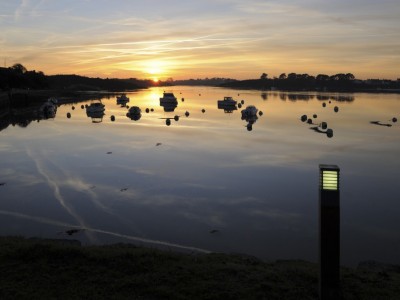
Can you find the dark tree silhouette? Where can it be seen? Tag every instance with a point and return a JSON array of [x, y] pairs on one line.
[[19, 68], [264, 76]]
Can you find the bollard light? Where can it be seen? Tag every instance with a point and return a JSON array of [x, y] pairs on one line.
[[329, 177], [329, 232]]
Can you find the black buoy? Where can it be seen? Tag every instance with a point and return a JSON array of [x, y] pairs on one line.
[[152, 109], [82, 106], [203, 110], [242, 101], [329, 133], [303, 118], [147, 110], [176, 118], [68, 115], [315, 116], [394, 120], [240, 105], [324, 104], [324, 125], [168, 122], [309, 121], [249, 127], [113, 118], [183, 99], [187, 114], [260, 113], [73, 107], [336, 109]]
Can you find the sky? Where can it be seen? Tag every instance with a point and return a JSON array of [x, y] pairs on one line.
[[160, 39]]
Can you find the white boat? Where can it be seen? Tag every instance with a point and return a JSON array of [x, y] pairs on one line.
[[168, 98], [49, 108], [95, 107], [228, 101], [250, 111]]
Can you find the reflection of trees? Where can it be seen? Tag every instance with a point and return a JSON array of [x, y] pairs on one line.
[[23, 116], [301, 97], [264, 96], [338, 97], [320, 97]]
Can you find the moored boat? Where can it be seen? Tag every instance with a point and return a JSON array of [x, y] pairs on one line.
[[228, 101], [168, 98], [122, 99], [95, 107], [250, 111]]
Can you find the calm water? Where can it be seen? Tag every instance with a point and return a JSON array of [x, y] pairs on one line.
[[205, 181]]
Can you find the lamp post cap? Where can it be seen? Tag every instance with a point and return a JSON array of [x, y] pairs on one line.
[[329, 167]]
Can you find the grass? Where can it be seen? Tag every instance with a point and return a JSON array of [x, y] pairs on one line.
[[48, 269]]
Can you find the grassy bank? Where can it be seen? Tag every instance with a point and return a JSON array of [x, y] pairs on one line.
[[41, 269]]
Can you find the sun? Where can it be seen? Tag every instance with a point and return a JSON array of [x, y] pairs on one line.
[[155, 67], [156, 80]]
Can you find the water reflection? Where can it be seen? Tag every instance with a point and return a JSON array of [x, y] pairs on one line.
[[23, 116], [204, 172], [96, 116]]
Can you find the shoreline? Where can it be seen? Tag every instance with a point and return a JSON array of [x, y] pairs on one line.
[[63, 269]]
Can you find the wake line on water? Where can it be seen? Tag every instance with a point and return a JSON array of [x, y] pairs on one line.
[[56, 191], [125, 236]]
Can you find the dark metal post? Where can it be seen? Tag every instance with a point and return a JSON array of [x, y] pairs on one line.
[[329, 232]]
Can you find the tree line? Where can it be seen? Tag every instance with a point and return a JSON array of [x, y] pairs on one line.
[[293, 81], [18, 77]]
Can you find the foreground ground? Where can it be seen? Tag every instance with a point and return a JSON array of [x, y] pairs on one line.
[[41, 269]]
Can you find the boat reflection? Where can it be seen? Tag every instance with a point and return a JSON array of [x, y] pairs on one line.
[[23, 116], [96, 116], [250, 116], [168, 107]]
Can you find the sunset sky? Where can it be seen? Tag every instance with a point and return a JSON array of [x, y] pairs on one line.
[[196, 39]]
